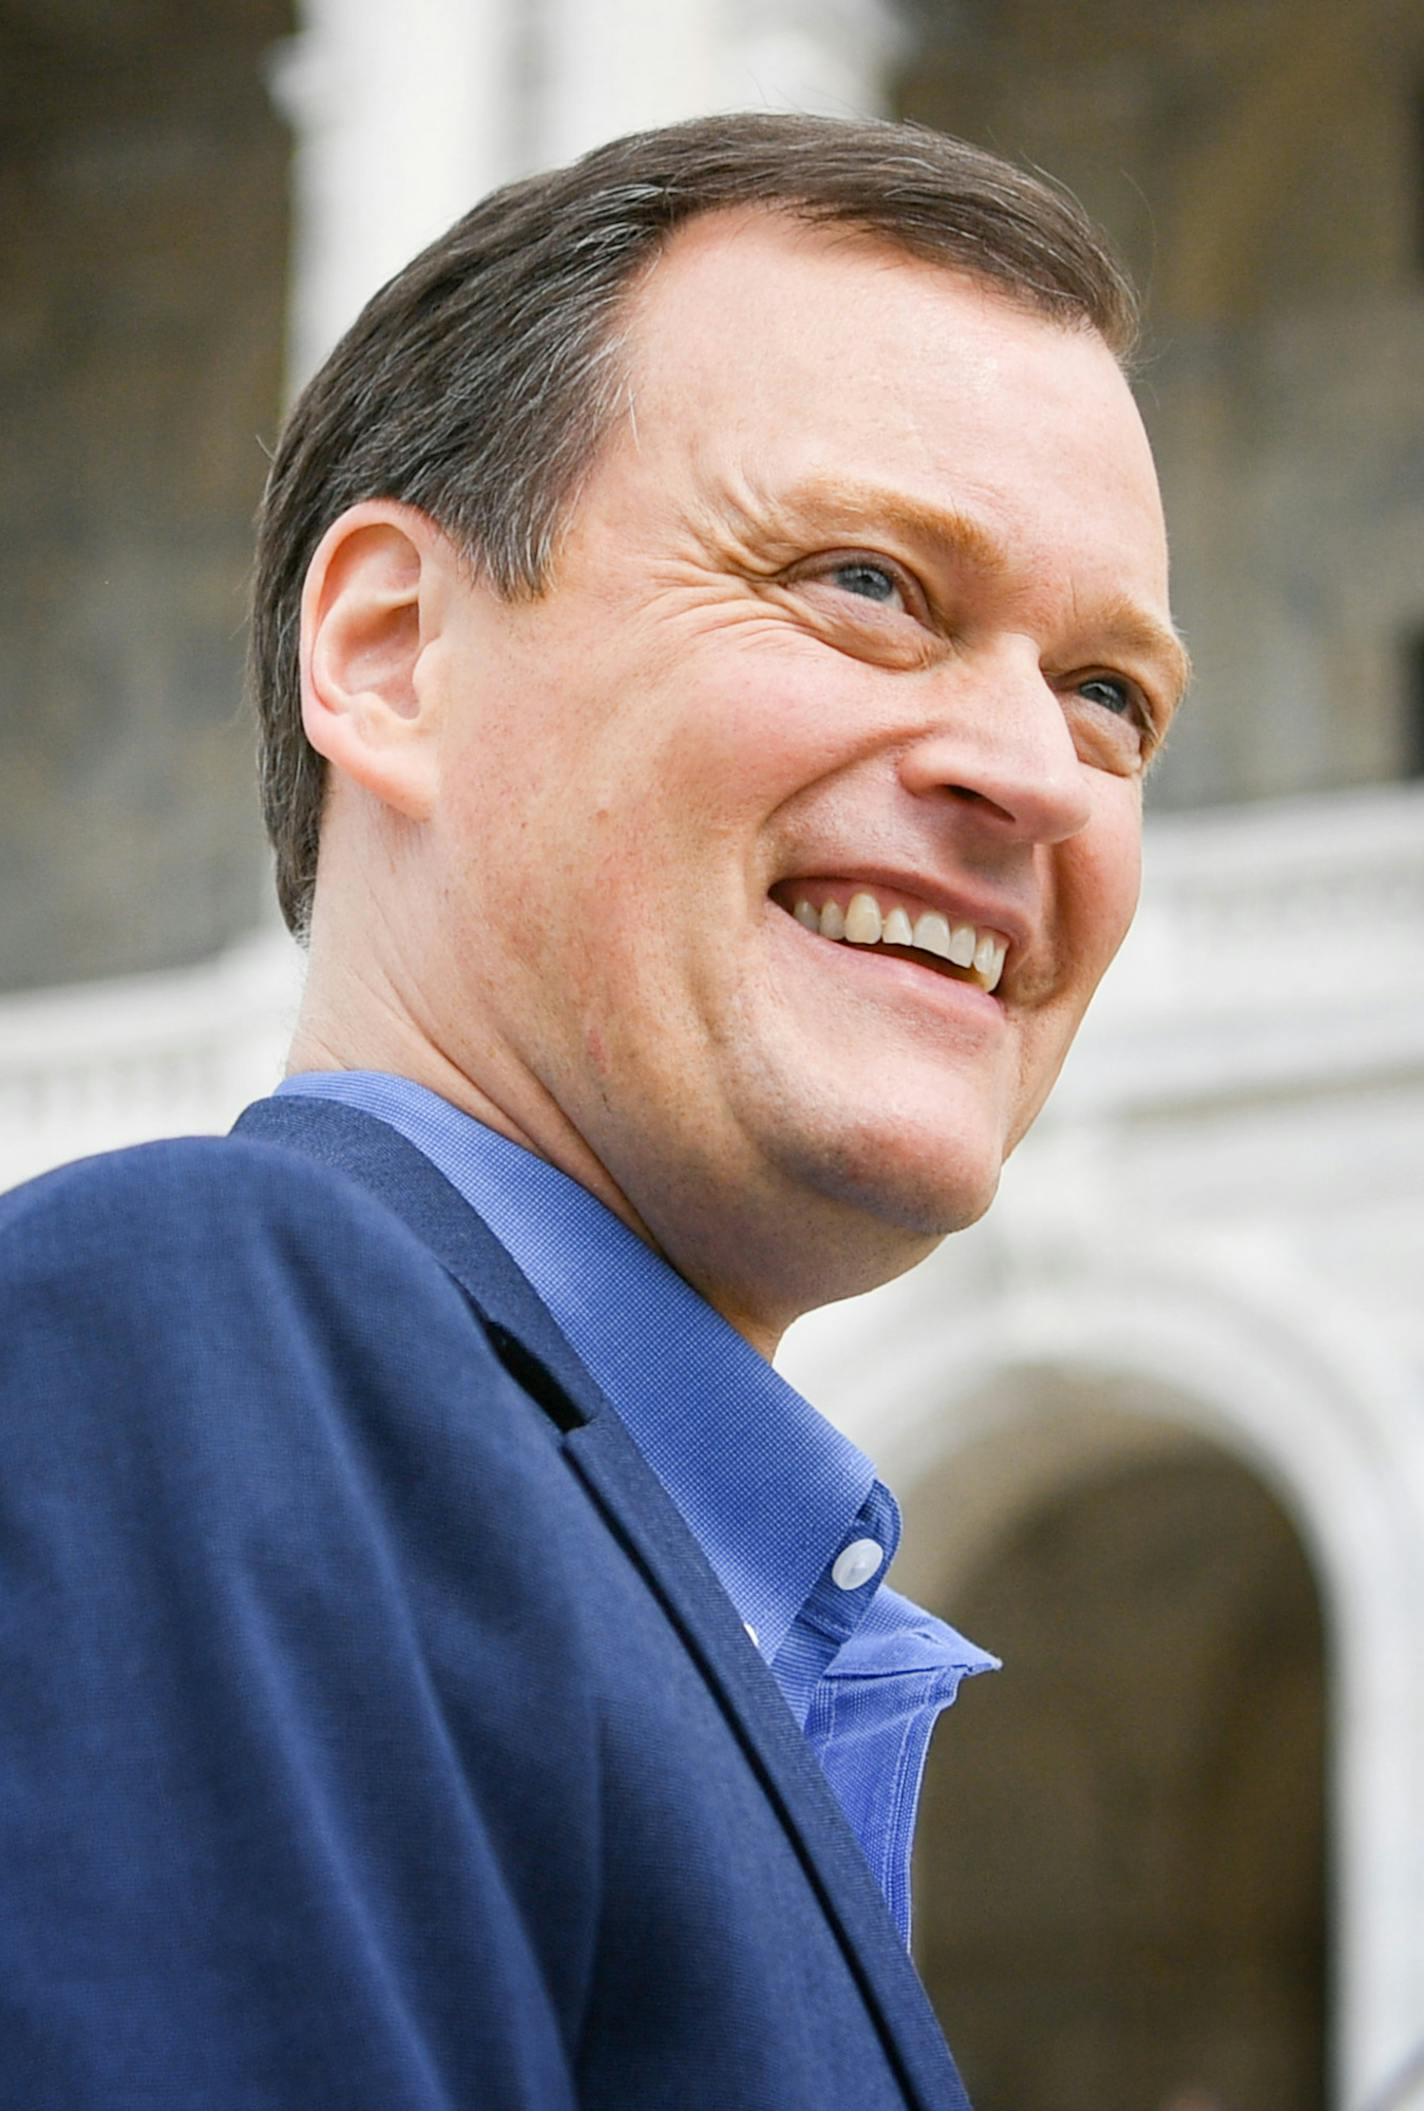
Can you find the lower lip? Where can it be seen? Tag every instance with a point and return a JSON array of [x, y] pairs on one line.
[[955, 999]]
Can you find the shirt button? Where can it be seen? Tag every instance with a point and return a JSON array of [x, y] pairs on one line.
[[856, 1564], [752, 1633]]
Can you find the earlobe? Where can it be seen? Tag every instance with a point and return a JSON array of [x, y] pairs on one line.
[[365, 613]]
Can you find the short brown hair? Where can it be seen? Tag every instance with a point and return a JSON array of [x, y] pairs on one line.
[[479, 383]]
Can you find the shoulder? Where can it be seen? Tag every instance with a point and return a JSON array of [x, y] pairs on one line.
[[217, 1354], [136, 1205], [281, 1543], [236, 1304], [189, 1226]]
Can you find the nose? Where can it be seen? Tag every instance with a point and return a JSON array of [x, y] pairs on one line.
[[1001, 746]]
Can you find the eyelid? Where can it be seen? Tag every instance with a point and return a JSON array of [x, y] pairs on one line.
[[1150, 717], [827, 561], [1151, 712]]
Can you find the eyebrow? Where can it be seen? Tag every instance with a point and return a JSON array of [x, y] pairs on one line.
[[859, 505], [1122, 621], [1137, 632]]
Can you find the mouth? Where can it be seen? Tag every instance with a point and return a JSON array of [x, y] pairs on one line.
[[850, 915]]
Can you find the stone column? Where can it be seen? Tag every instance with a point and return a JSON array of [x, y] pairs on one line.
[[830, 56], [402, 117], [610, 66]]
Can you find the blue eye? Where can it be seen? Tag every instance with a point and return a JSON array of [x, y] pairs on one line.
[[1118, 697], [870, 581]]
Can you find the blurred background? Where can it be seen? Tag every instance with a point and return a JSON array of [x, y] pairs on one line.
[[1157, 1425]]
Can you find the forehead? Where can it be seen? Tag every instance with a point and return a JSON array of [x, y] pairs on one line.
[[765, 349]]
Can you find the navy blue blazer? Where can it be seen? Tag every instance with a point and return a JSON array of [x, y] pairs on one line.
[[373, 1734]]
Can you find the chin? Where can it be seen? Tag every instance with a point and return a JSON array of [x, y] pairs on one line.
[[907, 1179]]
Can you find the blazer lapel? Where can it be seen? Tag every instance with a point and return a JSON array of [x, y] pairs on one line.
[[404, 1179], [636, 1503], [525, 1336]]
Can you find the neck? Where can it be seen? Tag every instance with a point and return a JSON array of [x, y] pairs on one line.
[[354, 1020], [356, 1015]]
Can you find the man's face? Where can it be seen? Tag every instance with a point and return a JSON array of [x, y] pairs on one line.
[[867, 598]]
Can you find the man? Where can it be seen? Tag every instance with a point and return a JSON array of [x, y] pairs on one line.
[[709, 634]]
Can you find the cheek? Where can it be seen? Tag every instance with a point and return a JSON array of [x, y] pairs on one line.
[[626, 914], [1105, 885], [765, 711]]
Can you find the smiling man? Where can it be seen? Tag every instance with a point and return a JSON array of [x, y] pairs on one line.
[[710, 632]]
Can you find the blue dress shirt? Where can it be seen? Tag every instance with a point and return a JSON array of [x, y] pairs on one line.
[[786, 1509]]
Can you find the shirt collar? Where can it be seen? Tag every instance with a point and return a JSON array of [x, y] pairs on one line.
[[767, 1486]]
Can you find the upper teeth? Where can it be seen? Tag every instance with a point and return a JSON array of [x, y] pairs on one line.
[[862, 922]]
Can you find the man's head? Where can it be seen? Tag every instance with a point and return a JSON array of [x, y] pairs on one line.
[[751, 518]]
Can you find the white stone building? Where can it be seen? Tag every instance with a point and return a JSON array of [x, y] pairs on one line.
[[1158, 1424]]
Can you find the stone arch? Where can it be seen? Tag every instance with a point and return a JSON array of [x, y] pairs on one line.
[[1120, 1884], [1249, 1354]]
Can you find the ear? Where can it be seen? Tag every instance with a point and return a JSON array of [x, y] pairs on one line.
[[368, 609]]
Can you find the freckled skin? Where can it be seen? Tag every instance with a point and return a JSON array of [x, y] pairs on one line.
[[706, 701]]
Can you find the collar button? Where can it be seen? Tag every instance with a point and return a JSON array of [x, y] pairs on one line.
[[856, 1564]]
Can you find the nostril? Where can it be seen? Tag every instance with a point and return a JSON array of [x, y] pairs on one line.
[[966, 795]]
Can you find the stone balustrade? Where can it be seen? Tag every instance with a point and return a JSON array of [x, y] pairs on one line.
[[97, 1065], [1278, 947], [1242, 904], [1275, 945]]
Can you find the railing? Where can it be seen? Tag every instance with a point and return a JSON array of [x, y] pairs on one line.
[[1241, 905], [101, 1064], [1276, 946]]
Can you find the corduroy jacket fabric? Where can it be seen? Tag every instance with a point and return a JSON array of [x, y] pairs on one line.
[[373, 1734]]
